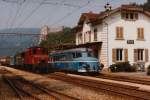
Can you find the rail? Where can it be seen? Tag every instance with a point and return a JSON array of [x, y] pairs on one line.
[[113, 88]]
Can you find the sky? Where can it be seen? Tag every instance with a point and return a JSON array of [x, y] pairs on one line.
[[37, 13]]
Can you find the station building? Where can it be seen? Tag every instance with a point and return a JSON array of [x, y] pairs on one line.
[[118, 35]]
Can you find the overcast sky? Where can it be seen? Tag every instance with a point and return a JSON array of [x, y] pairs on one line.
[[37, 13]]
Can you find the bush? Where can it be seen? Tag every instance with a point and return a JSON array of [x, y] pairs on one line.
[[123, 67], [113, 68], [133, 68], [148, 70]]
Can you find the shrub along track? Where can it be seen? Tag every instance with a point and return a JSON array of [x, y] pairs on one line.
[[102, 86], [144, 81], [27, 90]]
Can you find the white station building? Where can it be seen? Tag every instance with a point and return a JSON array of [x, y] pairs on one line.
[[118, 35]]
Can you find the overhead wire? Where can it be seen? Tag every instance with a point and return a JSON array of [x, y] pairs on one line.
[[30, 14], [15, 17], [24, 5], [45, 17], [9, 23], [70, 13], [59, 20], [34, 10]]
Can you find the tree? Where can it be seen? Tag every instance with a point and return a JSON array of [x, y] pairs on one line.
[[146, 6], [57, 39]]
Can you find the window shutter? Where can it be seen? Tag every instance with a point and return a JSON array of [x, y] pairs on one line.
[[135, 55], [89, 36], [126, 54], [84, 37], [81, 38], [146, 55], [114, 55], [136, 16], [121, 32], [142, 33], [138, 33], [117, 32]]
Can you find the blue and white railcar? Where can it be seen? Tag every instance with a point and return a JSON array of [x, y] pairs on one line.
[[75, 60]]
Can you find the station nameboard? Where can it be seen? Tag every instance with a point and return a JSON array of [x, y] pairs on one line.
[[130, 41]]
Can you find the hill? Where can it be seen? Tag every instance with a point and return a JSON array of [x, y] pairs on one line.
[[21, 30], [9, 45]]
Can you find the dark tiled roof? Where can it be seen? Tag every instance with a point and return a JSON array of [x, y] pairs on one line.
[[90, 16], [96, 18], [131, 8]]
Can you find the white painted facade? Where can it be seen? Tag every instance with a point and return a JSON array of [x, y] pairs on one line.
[[106, 33]]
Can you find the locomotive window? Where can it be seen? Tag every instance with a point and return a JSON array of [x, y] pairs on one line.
[[90, 54], [76, 55], [44, 51], [34, 51]]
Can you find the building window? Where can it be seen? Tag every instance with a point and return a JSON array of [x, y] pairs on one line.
[[84, 37], [89, 33], [119, 54], [140, 34], [129, 15], [95, 34], [140, 54], [119, 33], [80, 38]]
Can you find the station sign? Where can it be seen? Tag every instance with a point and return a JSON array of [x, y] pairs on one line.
[[130, 41]]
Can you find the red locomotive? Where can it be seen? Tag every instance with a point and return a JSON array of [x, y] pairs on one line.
[[33, 59]]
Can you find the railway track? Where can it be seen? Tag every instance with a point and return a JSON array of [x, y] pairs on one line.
[[20, 93], [125, 79], [28, 90], [102, 86]]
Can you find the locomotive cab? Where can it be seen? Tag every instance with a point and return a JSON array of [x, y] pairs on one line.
[[88, 63]]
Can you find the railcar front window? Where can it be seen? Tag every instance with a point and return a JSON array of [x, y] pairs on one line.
[[76, 55], [90, 54], [44, 51], [34, 51]]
